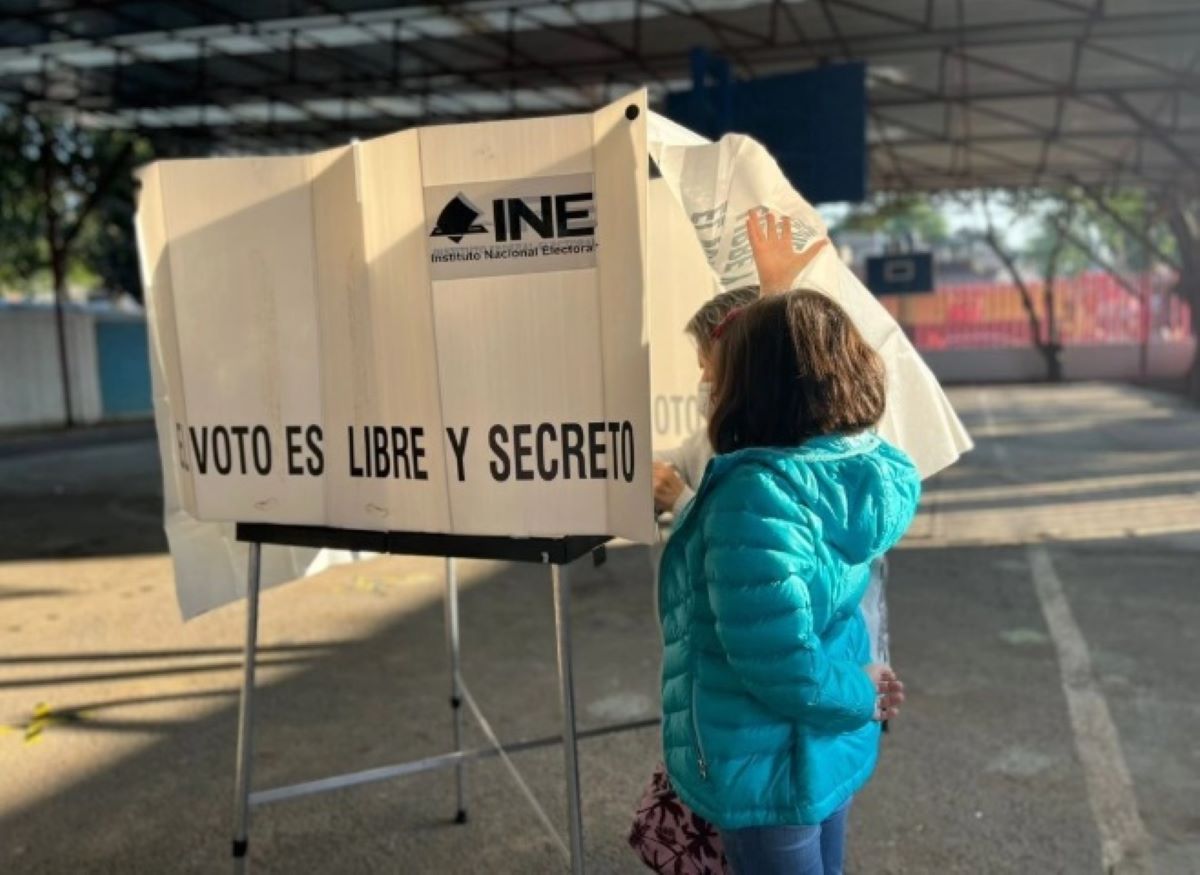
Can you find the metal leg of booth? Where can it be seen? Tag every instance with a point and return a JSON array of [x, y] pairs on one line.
[[245, 737], [456, 698], [245, 800], [562, 625]]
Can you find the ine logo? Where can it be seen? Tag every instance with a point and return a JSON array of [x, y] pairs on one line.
[[509, 227], [457, 219], [541, 217]]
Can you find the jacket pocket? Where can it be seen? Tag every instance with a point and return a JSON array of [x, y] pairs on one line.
[[701, 759]]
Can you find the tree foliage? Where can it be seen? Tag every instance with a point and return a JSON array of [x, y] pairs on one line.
[[22, 236], [67, 197], [1124, 231], [912, 217]]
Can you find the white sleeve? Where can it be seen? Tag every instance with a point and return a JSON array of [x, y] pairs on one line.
[[685, 497], [695, 452], [674, 457]]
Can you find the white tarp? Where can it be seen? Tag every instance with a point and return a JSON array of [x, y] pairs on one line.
[[694, 246], [718, 185]]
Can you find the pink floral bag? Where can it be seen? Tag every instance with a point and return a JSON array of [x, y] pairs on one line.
[[672, 839]]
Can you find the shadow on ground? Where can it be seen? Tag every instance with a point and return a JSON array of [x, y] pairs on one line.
[[985, 736], [167, 807], [73, 496]]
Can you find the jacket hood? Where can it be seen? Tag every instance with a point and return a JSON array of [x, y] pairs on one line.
[[863, 490]]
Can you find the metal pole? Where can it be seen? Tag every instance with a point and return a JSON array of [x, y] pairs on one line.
[[245, 743], [562, 622], [456, 699]]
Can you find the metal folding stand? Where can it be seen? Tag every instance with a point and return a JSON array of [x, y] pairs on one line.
[[558, 553]]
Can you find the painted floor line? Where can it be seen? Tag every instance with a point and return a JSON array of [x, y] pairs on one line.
[[998, 447], [1124, 842]]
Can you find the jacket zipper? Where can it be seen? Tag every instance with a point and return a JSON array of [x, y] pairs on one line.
[[701, 762]]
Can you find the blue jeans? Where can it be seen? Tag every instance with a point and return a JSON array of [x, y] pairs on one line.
[[789, 850]]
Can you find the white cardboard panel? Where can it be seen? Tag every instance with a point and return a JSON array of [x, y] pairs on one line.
[[405, 349], [347, 356], [241, 247], [170, 406], [486, 151], [513, 351], [622, 171], [680, 283]]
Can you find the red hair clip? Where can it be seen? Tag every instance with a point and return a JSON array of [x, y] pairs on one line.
[[729, 319]]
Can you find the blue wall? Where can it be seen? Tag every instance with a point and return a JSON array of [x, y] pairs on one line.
[[814, 123], [122, 353]]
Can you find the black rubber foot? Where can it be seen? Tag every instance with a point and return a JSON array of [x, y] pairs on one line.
[[632, 112], [461, 817], [240, 846]]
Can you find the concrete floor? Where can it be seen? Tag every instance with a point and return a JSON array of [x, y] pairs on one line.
[[116, 753]]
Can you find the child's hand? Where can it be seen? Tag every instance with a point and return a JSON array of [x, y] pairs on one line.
[[889, 691], [777, 262]]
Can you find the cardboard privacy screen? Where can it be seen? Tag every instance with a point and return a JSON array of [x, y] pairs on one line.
[[441, 330], [468, 329]]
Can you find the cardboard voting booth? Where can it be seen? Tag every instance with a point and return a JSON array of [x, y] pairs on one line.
[[465, 329], [441, 330], [464, 340]]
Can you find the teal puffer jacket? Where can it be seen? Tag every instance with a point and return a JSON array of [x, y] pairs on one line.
[[767, 712]]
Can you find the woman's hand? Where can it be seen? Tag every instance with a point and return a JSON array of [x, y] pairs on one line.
[[771, 244], [889, 691], [668, 486]]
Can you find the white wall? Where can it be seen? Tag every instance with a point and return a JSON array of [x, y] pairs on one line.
[[1165, 359], [30, 380]]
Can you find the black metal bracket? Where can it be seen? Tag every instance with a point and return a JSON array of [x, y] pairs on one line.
[[547, 551]]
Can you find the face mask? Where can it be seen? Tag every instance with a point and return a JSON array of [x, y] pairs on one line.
[[704, 398]]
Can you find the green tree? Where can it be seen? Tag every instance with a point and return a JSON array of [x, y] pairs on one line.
[[106, 246], [22, 241], [908, 217], [67, 197], [1124, 231]]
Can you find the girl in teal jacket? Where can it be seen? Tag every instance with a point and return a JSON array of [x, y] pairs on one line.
[[770, 709]]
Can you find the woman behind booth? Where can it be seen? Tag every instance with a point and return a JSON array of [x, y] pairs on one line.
[[770, 709], [677, 472]]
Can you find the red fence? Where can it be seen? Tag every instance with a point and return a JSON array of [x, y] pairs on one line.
[[1091, 308]]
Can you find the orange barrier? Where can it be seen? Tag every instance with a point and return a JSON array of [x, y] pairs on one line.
[[1090, 308]]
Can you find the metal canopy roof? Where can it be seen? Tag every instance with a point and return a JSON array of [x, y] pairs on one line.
[[963, 93]]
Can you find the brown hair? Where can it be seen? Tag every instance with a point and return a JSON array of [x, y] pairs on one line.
[[705, 320], [789, 368]]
